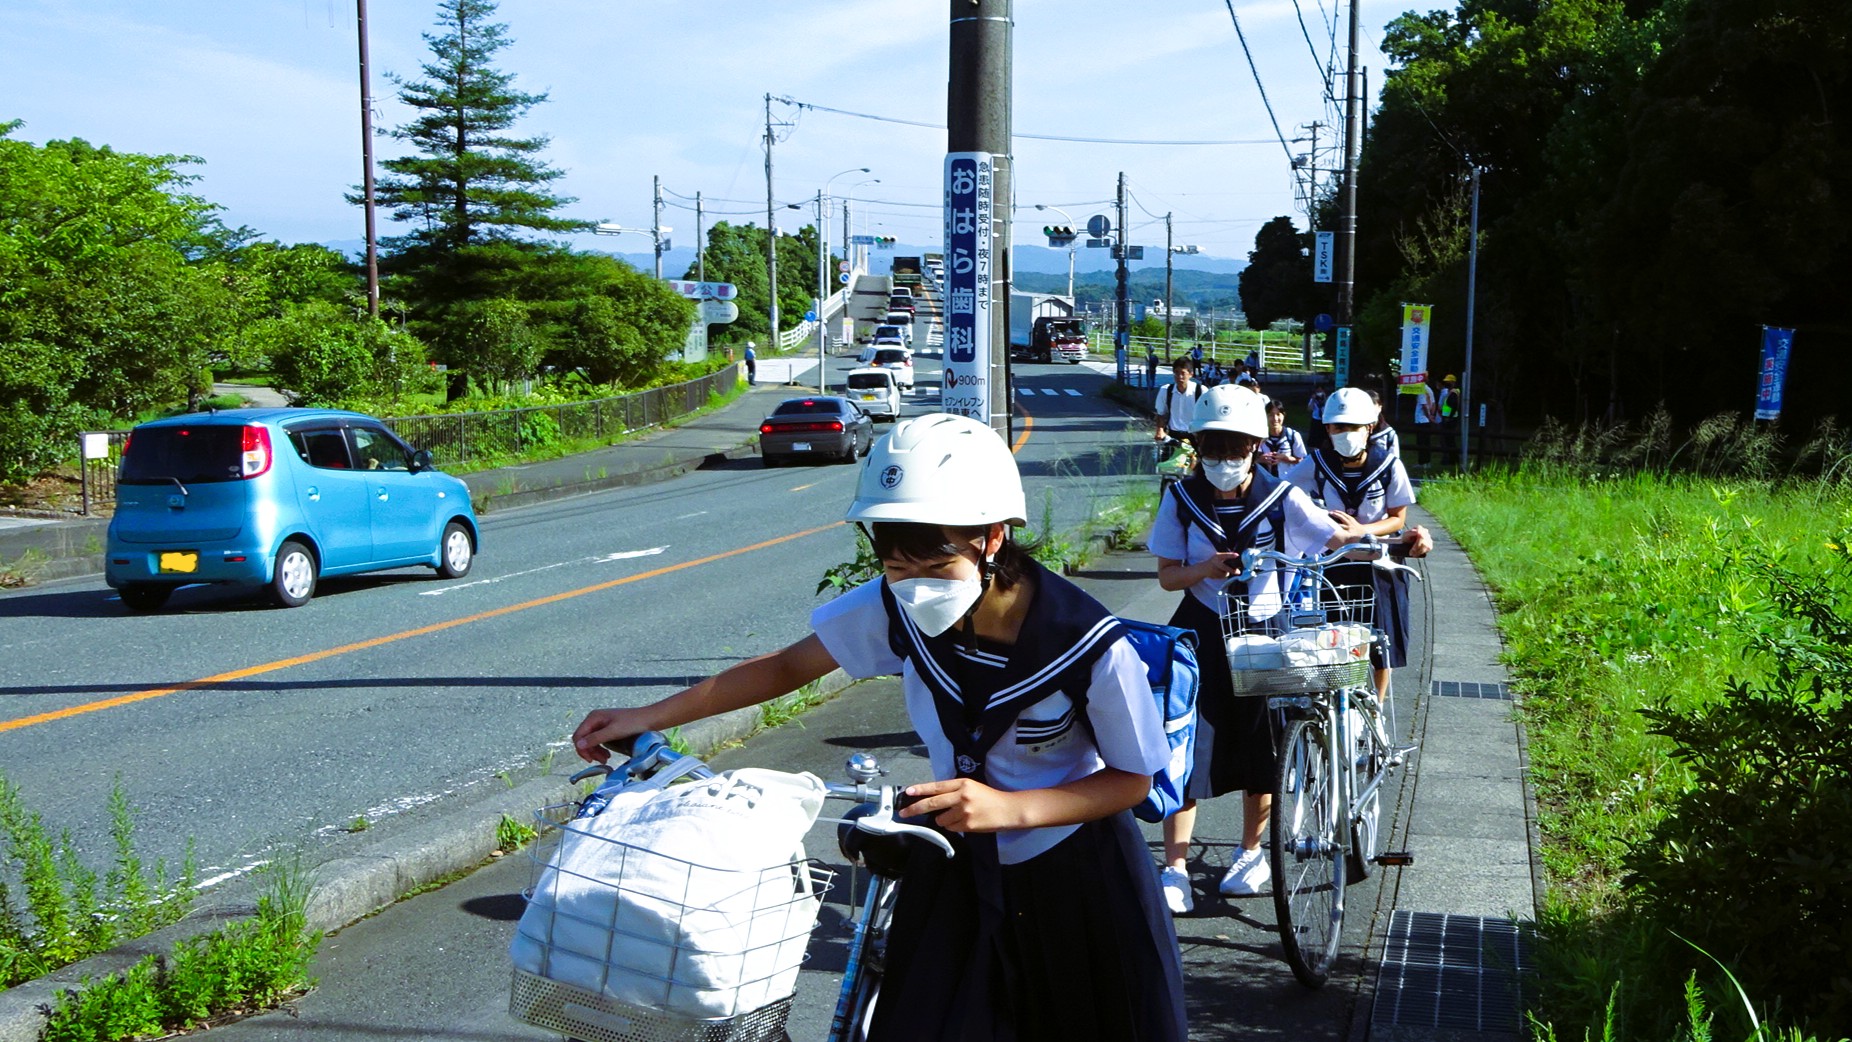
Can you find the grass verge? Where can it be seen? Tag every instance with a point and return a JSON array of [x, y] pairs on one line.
[[1637, 607]]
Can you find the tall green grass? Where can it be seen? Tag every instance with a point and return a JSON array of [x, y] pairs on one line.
[[1629, 596]]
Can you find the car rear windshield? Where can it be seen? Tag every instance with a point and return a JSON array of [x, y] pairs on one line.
[[887, 330], [798, 408], [889, 356], [192, 454], [882, 380]]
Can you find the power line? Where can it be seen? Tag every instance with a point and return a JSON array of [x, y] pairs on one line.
[[1324, 73], [1284, 147], [1037, 137]]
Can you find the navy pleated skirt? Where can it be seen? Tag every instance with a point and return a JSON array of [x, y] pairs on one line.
[[1083, 950]]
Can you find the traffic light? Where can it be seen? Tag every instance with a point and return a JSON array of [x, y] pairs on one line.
[[1059, 234], [884, 242]]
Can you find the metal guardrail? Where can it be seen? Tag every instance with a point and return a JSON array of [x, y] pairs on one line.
[[460, 438], [1285, 357]]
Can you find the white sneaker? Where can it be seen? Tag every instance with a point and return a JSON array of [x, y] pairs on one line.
[[1177, 890], [1247, 875]]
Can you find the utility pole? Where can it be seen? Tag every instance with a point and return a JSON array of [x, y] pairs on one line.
[[366, 158], [823, 264], [978, 102], [1167, 287], [1347, 212], [1122, 338], [1464, 409], [655, 230], [771, 233], [700, 241]]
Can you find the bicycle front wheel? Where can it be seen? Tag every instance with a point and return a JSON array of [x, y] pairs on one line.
[[1308, 858]]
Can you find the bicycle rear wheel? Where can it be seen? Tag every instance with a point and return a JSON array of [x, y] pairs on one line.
[[1308, 873]]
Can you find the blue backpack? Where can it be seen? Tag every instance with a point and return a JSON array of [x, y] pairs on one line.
[[1169, 654]]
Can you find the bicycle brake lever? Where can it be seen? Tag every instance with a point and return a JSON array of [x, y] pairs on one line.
[[597, 770], [883, 823]]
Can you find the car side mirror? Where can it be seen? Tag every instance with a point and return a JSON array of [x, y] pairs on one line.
[[421, 460]]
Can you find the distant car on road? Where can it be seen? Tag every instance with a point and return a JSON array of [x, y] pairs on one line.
[[877, 391], [900, 360], [900, 333], [278, 498], [821, 427]]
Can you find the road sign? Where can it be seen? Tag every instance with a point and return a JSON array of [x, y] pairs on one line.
[[1324, 324], [1098, 244], [843, 278], [1324, 256], [1134, 253], [842, 266], [862, 240], [717, 312], [1098, 226], [810, 316], [704, 290]]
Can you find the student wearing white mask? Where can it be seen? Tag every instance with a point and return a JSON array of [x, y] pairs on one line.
[[1360, 479], [1203, 524], [1042, 731]]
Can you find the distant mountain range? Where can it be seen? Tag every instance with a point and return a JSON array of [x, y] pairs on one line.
[[1196, 280]]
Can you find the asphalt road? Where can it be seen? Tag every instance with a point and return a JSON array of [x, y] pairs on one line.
[[250, 731]]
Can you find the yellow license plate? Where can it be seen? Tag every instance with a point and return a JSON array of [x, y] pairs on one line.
[[180, 561]]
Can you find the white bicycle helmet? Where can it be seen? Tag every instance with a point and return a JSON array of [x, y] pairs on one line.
[[1350, 405], [1232, 407], [940, 469]]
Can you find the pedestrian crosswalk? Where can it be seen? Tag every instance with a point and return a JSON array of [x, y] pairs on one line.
[[1030, 392]]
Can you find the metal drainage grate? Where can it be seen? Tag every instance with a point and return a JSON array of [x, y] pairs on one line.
[[1454, 971], [1471, 689]]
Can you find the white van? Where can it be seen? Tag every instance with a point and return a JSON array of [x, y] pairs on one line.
[[877, 391]]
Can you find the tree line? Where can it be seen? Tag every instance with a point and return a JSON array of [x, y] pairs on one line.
[[1659, 179], [122, 292]]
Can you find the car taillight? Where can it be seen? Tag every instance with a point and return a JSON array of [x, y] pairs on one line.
[[256, 449], [834, 425], [765, 428]]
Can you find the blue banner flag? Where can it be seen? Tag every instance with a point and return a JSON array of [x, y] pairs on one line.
[[1773, 372]]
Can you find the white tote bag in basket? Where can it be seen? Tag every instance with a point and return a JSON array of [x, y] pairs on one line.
[[694, 899]]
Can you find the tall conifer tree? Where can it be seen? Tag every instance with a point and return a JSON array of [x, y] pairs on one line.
[[470, 183]]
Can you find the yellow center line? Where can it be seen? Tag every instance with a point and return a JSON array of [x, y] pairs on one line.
[[317, 656]]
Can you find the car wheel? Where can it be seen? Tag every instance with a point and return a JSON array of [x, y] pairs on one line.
[[144, 596], [294, 581], [455, 552]]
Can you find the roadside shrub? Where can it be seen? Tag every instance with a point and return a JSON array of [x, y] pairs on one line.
[[1754, 859], [55, 909]]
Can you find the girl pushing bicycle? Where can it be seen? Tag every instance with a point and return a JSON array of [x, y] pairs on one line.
[[1042, 732]]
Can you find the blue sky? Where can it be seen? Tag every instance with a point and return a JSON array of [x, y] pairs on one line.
[[266, 93]]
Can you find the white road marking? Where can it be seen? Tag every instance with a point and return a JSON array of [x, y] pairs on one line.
[[1073, 392], [622, 555], [685, 517]]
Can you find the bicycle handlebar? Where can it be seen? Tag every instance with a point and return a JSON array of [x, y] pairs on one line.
[[1370, 548], [649, 751]]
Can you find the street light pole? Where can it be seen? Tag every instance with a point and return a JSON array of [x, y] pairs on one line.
[[823, 263], [656, 225], [366, 158]]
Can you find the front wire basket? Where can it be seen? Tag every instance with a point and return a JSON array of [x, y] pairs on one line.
[[652, 948], [1319, 642]]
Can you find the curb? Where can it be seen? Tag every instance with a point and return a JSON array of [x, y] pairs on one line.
[[350, 888], [487, 499]]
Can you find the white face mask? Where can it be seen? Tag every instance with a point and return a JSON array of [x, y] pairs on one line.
[[935, 604], [1228, 474], [1350, 443]]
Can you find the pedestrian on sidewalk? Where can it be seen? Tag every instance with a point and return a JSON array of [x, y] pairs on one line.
[[1203, 524], [1381, 434], [1283, 446], [1042, 731], [1427, 423], [752, 365], [1176, 404]]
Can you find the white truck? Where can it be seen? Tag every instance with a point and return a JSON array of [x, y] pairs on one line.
[[1043, 328]]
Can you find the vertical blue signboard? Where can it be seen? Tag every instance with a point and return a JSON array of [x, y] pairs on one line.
[[1340, 361], [1773, 372], [968, 207]]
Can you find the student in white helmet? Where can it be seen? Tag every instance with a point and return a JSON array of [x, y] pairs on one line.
[[1359, 477], [1203, 524], [1042, 732]]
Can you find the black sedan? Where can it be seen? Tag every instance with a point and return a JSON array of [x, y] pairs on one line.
[[823, 426]]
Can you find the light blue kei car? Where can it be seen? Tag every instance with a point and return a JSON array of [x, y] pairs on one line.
[[278, 498]]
